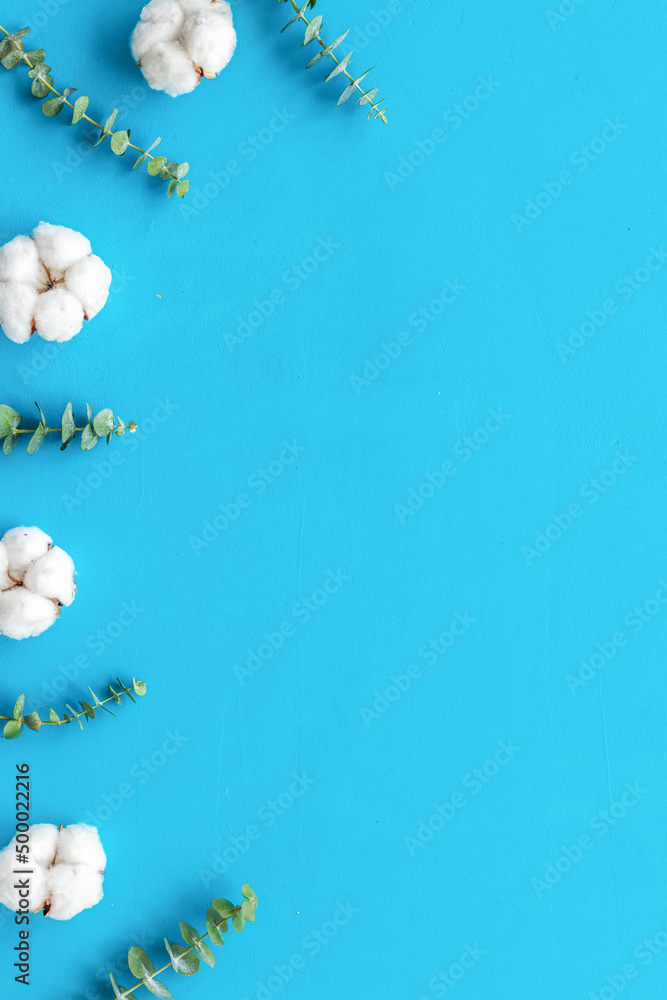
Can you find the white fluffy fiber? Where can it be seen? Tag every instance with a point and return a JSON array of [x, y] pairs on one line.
[[36, 579], [67, 868], [176, 42], [50, 283]]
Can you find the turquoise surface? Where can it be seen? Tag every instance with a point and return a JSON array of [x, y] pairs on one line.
[[388, 546]]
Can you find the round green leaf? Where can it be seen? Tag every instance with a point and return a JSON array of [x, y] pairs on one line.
[[238, 921], [157, 989], [9, 420], [53, 107], [155, 165], [182, 959], [33, 721], [190, 935], [119, 142], [182, 188], [213, 931], [37, 440], [19, 706], [80, 107], [88, 438], [10, 443], [139, 963], [12, 729], [103, 422], [224, 908]]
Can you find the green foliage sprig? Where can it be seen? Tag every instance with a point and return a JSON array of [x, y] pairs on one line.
[[187, 960], [313, 32], [102, 425], [12, 54], [15, 722]]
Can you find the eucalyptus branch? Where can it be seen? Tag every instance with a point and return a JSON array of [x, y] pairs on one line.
[[313, 32], [15, 722], [102, 425], [12, 54], [187, 960]]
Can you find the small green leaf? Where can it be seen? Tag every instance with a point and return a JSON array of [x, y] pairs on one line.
[[36, 56], [88, 709], [115, 697], [14, 36], [328, 50], [53, 716], [68, 425], [119, 142], [37, 440], [312, 30], [369, 96], [13, 58], [205, 953], [182, 170], [342, 65], [139, 687], [80, 107], [124, 995], [182, 959], [238, 921], [224, 908], [103, 423], [53, 107], [12, 729], [33, 721], [19, 706], [171, 188], [139, 161], [248, 909], [157, 989], [182, 188], [88, 438], [347, 93], [155, 165], [190, 935], [41, 416], [249, 893], [9, 420], [10, 443], [139, 963], [212, 927], [68, 91]]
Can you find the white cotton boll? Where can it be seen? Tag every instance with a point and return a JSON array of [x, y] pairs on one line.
[[24, 614], [61, 887], [209, 38], [73, 888], [58, 246], [89, 280], [167, 67], [52, 576], [81, 844], [17, 308], [23, 546], [168, 11], [5, 579], [58, 315], [43, 844], [19, 261]]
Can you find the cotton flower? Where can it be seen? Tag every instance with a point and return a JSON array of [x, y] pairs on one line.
[[36, 580], [176, 42], [50, 283], [67, 870]]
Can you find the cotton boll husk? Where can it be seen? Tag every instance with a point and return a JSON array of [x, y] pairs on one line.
[[24, 614], [80, 844], [167, 67], [58, 315], [19, 261], [23, 546], [52, 576], [59, 246], [17, 308], [149, 33], [89, 280], [71, 889], [209, 38]]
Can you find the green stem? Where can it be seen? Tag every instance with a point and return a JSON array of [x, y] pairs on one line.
[[130, 993], [56, 430], [69, 105], [337, 61], [62, 722]]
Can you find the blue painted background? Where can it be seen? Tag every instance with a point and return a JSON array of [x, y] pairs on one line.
[[435, 460]]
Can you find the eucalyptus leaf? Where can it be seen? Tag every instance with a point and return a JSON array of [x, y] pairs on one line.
[[33, 721], [312, 30], [9, 420], [12, 729], [103, 423], [238, 921], [139, 963], [88, 438], [37, 440], [10, 443], [119, 142], [157, 989], [182, 959], [182, 188], [53, 107], [19, 706], [68, 425], [80, 107], [224, 908]]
